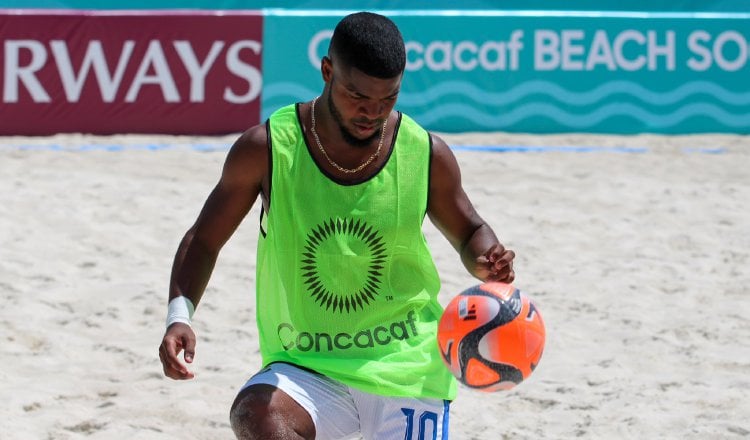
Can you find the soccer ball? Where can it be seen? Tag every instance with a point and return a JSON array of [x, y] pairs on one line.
[[491, 336]]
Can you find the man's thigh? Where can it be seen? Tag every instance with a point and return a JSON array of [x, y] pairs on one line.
[[327, 401]]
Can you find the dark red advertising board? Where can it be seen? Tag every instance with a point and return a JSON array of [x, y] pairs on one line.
[[123, 71]]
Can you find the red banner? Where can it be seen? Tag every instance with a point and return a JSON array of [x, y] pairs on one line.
[[130, 72]]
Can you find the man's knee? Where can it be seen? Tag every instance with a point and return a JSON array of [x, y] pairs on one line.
[[267, 413]]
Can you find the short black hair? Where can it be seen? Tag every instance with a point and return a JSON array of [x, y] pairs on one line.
[[370, 42]]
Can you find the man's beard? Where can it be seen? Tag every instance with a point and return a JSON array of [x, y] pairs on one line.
[[348, 137]]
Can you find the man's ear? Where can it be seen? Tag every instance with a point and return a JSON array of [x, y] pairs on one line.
[[326, 69]]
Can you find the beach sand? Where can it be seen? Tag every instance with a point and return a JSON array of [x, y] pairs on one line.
[[636, 251]]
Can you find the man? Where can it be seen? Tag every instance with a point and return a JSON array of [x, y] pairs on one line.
[[346, 287]]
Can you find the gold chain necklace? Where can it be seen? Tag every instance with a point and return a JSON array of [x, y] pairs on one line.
[[334, 164]]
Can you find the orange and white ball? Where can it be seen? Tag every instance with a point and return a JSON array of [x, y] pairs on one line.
[[491, 336]]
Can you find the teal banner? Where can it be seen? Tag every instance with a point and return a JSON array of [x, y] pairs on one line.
[[541, 72]]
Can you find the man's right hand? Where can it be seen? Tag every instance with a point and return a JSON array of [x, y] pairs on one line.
[[178, 337]]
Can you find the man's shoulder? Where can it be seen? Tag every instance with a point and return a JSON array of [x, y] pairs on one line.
[[250, 146], [254, 137]]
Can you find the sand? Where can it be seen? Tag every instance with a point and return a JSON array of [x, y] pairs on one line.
[[636, 250]]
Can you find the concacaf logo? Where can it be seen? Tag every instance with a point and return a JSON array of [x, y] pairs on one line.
[[342, 264]]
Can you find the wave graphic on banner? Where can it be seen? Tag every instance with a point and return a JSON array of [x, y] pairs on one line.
[[582, 120], [589, 97], [533, 99], [524, 89], [291, 91]]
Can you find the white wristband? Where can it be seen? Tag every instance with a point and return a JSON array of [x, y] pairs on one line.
[[180, 309]]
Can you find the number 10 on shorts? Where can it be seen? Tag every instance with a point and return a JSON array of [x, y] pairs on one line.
[[428, 421]]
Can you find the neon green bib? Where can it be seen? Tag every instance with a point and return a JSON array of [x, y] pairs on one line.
[[346, 285]]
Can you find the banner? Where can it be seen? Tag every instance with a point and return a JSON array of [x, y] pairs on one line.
[[199, 72], [542, 72], [130, 72]]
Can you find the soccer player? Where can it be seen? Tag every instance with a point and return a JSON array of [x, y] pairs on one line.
[[346, 287]]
